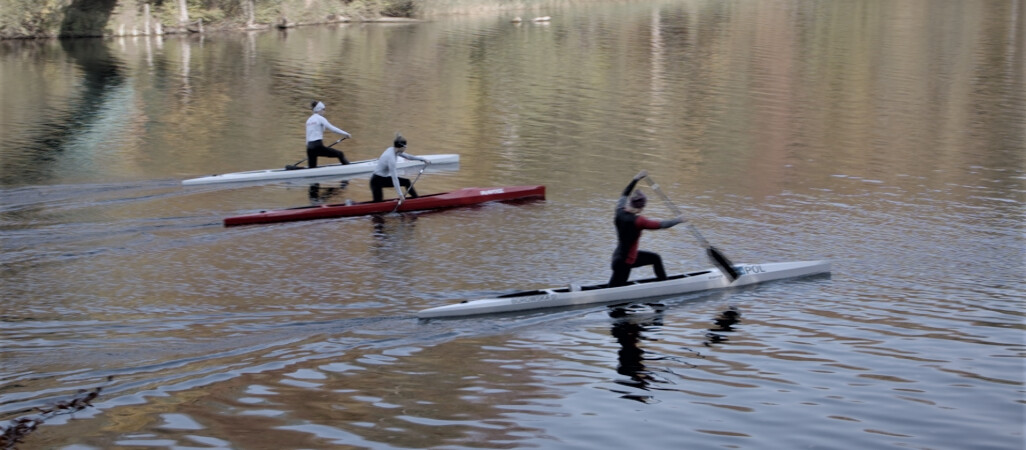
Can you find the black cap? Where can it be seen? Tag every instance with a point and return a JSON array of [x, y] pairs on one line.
[[638, 200]]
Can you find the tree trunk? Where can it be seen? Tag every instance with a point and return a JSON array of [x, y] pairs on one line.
[[183, 12], [250, 12]]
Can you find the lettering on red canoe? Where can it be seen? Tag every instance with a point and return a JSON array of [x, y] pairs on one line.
[[492, 191]]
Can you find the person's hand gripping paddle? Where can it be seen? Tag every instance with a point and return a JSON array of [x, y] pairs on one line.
[[296, 165], [718, 258]]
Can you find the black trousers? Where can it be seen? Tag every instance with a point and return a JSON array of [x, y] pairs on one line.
[[378, 182], [622, 270], [317, 148]]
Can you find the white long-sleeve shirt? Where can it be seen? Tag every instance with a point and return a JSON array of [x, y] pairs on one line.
[[386, 166], [315, 126]]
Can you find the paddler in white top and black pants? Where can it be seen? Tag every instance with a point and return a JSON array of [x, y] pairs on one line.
[[315, 126], [386, 175]]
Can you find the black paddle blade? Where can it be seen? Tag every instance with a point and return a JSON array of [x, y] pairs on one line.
[[723, 263]]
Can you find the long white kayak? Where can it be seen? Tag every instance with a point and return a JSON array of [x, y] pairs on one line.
[[352, 168], [707, 279]]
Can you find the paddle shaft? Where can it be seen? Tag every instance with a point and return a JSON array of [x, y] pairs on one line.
[[410, 188], [673, 207], [718, 257]]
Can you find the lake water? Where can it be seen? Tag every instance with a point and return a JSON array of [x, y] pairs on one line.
[[885, 137]]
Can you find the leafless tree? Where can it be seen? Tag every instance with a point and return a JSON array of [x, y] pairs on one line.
[[183, 12]]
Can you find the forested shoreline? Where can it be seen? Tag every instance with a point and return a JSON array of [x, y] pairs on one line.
[[27, 19]]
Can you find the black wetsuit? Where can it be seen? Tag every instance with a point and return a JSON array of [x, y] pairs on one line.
[[628, 233]]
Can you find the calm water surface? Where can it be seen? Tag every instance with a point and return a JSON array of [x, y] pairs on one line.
[[886, 137]]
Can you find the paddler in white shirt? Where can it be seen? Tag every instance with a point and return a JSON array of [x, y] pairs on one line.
[[315, 126], [386, 175]]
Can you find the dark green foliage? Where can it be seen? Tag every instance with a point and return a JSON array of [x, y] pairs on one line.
[[84, 18], [399, 8]]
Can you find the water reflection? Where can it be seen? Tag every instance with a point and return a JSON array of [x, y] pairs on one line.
[[724, 324], [322, 194], [100, 71], [633, 321], [185, 91], [635, 324], [62, 129], [393, 227]]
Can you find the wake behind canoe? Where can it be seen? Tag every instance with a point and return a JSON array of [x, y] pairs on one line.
[[708, 279], [353, 168], [453, 199]]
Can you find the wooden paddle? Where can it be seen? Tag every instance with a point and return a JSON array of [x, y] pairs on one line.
[[296, 165], [717, 256]]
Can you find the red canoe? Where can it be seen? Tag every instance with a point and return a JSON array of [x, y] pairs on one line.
[[461, 197]]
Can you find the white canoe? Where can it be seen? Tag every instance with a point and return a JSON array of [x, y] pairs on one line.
[[352, 168], [675, 285]]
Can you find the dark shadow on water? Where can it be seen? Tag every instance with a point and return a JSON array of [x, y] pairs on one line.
[[61, 124]]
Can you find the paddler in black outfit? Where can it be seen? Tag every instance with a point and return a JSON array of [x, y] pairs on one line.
[[629, 224]]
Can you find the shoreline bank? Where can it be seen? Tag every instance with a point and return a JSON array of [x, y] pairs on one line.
[[62, 19]]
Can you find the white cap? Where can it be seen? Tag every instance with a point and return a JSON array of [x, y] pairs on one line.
[[318, 107]]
